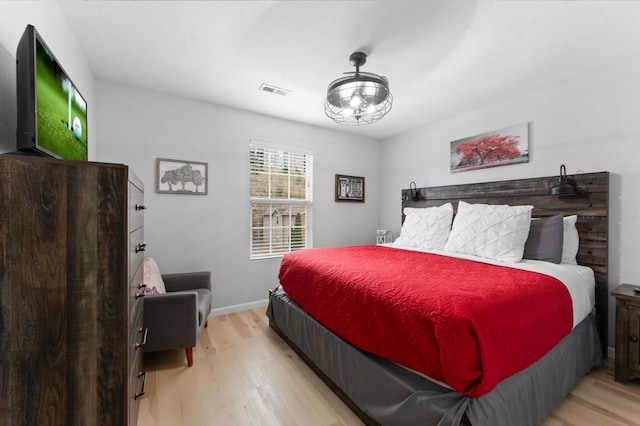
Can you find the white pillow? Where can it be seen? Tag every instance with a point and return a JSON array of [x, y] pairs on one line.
[[152, 277], [570, 241], [492, 231], [426, 228]]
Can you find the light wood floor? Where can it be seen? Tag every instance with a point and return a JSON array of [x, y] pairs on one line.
[[244, 374]]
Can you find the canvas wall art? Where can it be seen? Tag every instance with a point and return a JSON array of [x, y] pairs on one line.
[[498, 148]]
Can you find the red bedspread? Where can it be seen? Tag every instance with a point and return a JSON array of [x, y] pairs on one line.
[[468, 324]]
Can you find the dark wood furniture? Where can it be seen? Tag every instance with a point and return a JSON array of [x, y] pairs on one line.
[[69, 318], [590, 204], [627, 333], [136, 287]]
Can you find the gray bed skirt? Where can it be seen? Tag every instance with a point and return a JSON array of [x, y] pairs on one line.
[[381, 392]]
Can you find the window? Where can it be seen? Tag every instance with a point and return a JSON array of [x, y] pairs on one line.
[[280, 189]]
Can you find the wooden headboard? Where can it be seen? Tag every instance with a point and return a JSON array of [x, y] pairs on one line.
[[590, 204]]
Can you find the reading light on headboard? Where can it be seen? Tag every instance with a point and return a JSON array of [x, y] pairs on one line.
[[413, 190], [564, 185]]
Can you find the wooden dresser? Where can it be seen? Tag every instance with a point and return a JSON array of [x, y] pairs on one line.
[[135, 278], [70, 318], [627, 333]]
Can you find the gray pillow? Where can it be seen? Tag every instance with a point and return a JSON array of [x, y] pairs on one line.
[[545, 240]]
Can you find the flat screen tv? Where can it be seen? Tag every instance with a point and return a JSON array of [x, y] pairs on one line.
[[52, 114]]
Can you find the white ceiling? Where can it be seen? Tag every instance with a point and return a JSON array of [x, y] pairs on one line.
[[442, 57]]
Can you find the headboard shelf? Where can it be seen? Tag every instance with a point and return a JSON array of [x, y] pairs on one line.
[[590, 204]]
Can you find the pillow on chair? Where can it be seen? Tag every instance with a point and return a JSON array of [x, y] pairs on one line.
[[152, 278]]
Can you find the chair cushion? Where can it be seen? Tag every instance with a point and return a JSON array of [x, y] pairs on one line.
[[153, 278], [204, 304]]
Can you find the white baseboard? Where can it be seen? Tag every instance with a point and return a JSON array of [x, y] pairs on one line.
[[238, 308], [611, 352]]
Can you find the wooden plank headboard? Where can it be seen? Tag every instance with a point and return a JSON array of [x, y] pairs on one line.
[[590, 204]]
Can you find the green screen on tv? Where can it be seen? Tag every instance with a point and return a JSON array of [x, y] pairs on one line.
[[61, 109]]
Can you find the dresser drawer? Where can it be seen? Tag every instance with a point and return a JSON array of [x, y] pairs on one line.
[[136, 251], [136, 291], [137, 336], [137, 384], [136, 207], [634, 340]]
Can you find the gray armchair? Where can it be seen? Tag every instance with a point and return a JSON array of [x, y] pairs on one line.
[[175, 319]]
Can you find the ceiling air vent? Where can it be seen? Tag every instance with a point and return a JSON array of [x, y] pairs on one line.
[[273, 89]]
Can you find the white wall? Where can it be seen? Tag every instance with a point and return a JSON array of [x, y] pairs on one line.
[[590, 124], [191, 232], [52, 26]]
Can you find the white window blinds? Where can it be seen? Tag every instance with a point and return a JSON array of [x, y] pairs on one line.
[[280, 190]]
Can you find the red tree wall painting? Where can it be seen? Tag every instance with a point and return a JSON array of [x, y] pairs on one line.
[[505, 146]]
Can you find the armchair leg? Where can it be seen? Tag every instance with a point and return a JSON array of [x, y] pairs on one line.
[[189, 352], [206, 323]]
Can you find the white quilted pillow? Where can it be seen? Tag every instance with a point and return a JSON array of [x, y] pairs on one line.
[[492, 231], [571, 240], [426, 228]]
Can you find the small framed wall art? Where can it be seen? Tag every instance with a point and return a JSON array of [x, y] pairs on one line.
[[349, 188], [181, 177]]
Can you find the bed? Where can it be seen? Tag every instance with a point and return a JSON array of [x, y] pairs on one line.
[[435, 384]]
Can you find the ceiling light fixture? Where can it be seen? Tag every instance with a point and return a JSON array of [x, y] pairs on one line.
[[360, 98]]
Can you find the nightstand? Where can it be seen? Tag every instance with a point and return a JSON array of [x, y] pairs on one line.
[[627, 333]]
